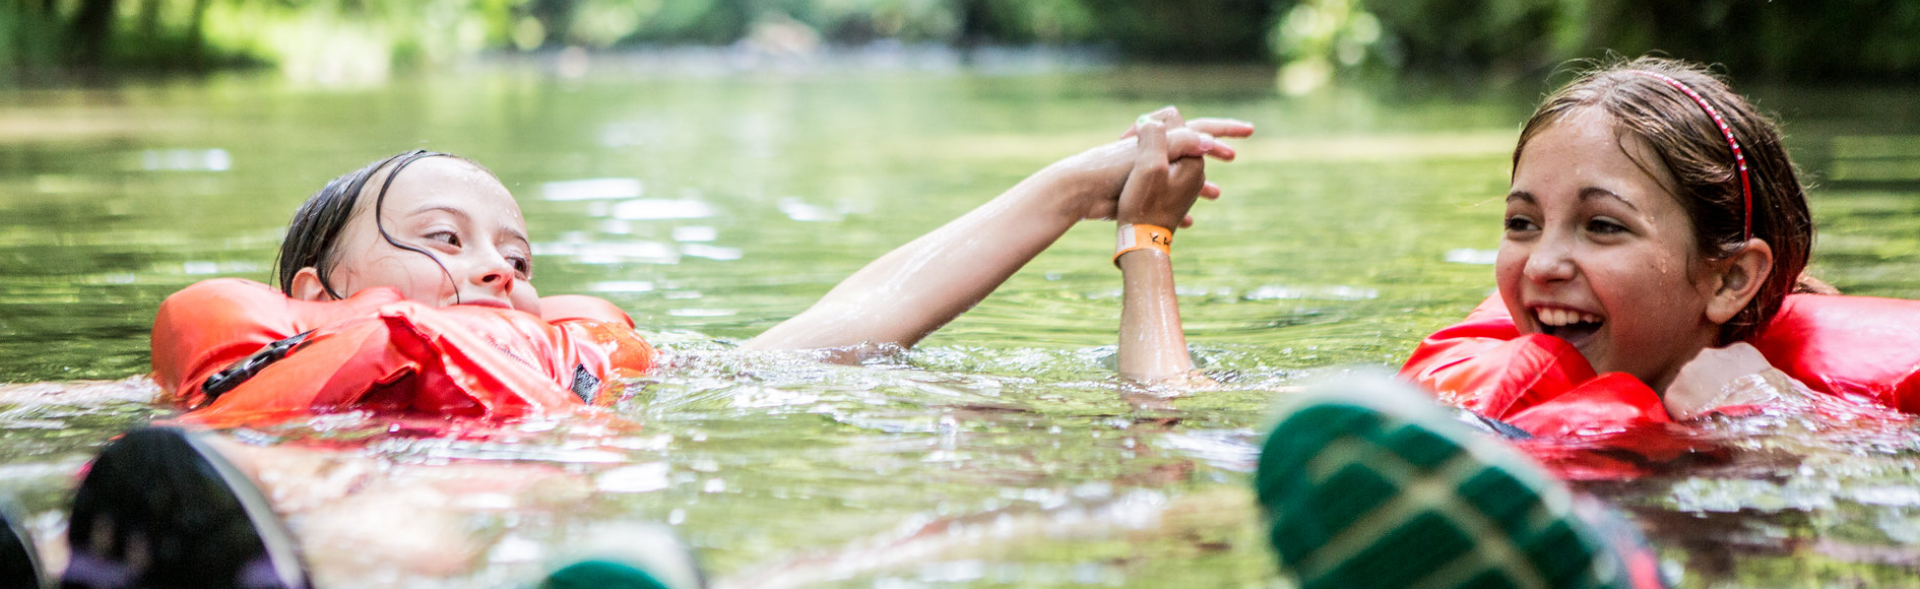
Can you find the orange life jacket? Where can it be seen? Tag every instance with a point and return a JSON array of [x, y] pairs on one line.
[[1860, 348], [377, 352]]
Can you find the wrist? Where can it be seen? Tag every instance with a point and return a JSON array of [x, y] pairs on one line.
[[1136, 237], [1060, 192], [1140, 256], [1087, 185], [1170, 224]]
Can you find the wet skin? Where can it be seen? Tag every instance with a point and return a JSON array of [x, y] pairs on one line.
[[450, 208], [1598, 251]]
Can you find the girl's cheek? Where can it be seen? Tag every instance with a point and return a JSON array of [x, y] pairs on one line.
[[524, 298], [1507, 265]]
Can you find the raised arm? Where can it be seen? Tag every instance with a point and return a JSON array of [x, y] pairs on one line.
[[1154, 203], [910, 292]]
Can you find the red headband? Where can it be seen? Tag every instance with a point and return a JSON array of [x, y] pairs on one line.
[[1739, 159]]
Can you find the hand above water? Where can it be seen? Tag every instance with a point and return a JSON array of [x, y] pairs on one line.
[[913, 290], [1721, 377], [1094, 178], [1158, 192]]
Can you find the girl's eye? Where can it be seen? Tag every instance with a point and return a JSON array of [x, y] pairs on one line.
[[522, 266], [446, 237], [1518, 223], [1605, 226]]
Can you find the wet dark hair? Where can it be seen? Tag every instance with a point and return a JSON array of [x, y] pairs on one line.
[[1694, 149], [314, 233]]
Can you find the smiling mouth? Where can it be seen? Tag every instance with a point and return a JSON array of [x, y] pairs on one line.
[[1573, 326]]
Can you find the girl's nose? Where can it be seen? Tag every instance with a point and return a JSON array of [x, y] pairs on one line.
[[497, 274], [1550, 261]]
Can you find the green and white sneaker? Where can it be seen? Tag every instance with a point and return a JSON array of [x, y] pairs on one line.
[[1370, 484], [628, 556]]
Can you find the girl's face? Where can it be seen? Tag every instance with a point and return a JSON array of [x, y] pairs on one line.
[[448, 207], [1600, 253]]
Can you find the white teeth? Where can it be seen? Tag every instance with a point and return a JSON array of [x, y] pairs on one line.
[[1563, 317]]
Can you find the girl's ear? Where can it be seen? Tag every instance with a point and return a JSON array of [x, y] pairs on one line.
[[307, 286], [1740, 280]]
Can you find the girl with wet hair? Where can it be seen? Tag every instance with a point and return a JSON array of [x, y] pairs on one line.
[[1730, 200], [404, 287], [1652, 270], [1657, 237], [314, 232], [404, 298]]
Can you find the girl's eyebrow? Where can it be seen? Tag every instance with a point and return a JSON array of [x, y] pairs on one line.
[[1593, 192], [449, 209], [514, 232], [1521, 195], [511, 231]]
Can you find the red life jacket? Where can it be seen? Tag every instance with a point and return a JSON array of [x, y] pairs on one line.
[[1859, 348], [375, 351]]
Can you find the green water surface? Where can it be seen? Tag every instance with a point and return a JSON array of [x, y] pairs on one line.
[[1001, 452]]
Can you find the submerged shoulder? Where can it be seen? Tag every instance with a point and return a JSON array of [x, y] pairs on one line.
[[558, 308], [1848, 344]]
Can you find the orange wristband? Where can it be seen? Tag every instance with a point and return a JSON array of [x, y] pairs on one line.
[[1135, 236]]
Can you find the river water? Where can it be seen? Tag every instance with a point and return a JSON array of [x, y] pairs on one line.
[[1001, 452]]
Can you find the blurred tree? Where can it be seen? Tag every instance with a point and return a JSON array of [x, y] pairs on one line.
[[92, 29], [1799, 40], [1310, 39], [1477, 35], [30, 36], [1188, 30], [706, 22], [1317, 37]]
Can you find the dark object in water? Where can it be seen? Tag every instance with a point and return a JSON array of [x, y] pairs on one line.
[[19, 563], [160, 509]]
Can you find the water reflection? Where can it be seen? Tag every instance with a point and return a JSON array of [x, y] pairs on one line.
[[183, 160], [594, 189], [657, 209]]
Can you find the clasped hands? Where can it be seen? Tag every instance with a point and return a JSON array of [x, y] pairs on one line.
[[1153, 174]]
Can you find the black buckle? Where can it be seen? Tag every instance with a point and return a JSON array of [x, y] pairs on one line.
[[245, 368], [585, 384]]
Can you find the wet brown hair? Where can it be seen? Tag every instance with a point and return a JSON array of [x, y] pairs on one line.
[[1706, 176], [314, 234]]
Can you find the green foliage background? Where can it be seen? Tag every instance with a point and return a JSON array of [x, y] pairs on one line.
[[1831, 39]]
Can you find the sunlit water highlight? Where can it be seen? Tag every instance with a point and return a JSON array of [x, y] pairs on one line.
[[1000, 453]]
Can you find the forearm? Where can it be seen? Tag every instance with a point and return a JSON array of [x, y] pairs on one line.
[[918, 287], [1152, 345]]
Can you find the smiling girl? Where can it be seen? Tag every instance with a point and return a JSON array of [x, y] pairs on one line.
[[1656, 235], [1650, 270]]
